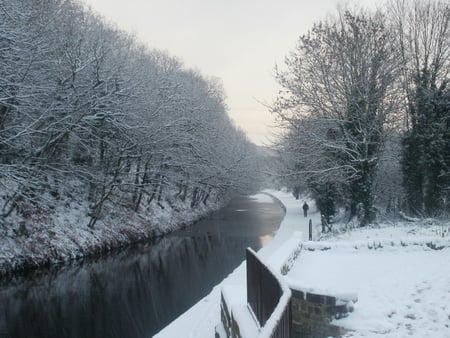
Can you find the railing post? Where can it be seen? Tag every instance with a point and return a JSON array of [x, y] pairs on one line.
[[310, 229]]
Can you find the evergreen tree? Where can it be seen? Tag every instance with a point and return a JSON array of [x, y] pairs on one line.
[[426, 147], [423, 31]]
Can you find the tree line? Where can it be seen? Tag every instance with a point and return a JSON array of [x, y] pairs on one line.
[[85, 107], [365, 111]]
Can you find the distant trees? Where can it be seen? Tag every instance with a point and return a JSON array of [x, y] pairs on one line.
[[354, 82], [84, 104]]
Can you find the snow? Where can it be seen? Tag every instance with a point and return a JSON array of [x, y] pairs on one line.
[[245, 320], [235, 294], [399, 273], [284, 257]]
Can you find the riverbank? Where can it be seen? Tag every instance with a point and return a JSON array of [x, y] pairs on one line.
[[400, 272], [64, 235]]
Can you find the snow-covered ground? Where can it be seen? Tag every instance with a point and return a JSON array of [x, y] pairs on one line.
[[400, 272]]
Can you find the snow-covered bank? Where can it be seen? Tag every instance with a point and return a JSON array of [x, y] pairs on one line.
[[64, 235], [400, 272]]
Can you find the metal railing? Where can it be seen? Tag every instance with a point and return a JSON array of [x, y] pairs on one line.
[[265, 295]]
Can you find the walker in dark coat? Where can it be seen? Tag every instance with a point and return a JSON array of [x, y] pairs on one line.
[[305, 209]]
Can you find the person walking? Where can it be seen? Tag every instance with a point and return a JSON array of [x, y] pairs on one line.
[[305, 209]]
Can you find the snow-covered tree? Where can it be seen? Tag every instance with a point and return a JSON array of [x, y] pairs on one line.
[[81, 101], [338, 94]]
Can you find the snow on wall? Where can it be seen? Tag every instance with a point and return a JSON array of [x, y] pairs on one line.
[[426, 242], [284, 257], [244, 322]]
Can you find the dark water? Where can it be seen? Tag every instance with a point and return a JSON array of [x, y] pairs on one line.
[[138, 291]]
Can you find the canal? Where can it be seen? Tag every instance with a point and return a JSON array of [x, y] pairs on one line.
[[137, 291]]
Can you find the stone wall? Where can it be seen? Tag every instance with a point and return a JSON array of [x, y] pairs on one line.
[[312, 314]]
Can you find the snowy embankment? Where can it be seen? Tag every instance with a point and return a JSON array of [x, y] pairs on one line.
[[64, 235], [400, 272]]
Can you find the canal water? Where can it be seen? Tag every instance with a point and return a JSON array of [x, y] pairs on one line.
[[135, 292]]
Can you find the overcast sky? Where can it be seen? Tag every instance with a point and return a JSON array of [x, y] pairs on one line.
[[239, 41]]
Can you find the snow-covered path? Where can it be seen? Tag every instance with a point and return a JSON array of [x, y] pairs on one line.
[[293, 221]]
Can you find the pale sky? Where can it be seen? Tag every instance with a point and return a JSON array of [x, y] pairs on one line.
[[239, 41]]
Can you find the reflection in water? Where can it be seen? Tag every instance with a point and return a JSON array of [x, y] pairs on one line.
[[137, 291], [263, 240]]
